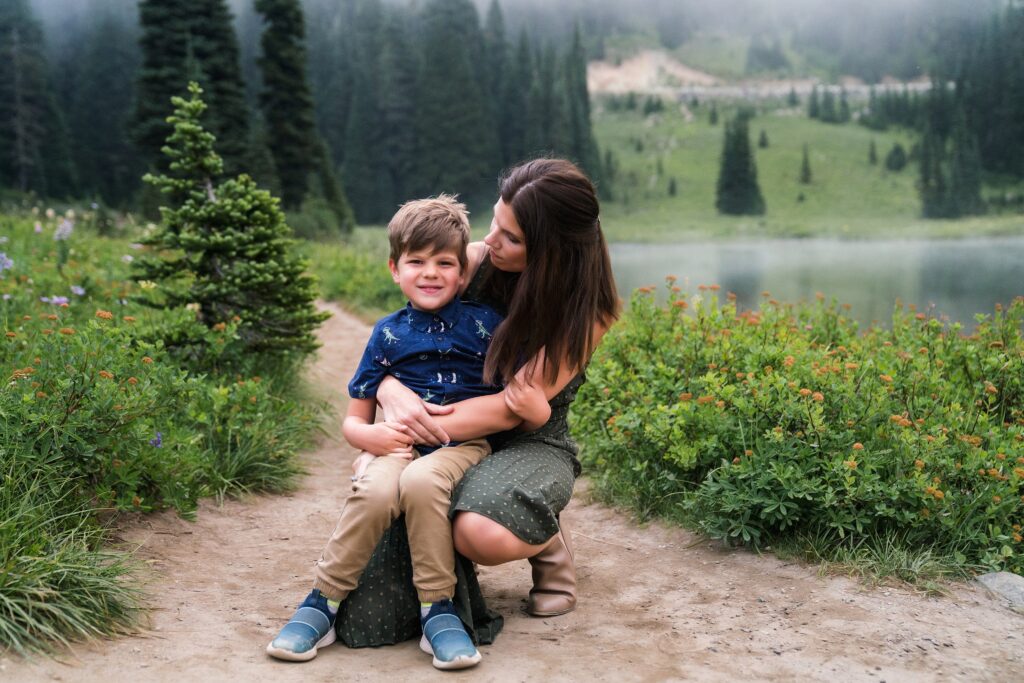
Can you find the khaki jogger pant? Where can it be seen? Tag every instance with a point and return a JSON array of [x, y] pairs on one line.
[[420, 488]]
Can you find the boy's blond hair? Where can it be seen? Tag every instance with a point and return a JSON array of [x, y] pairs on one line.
[[436, 223]]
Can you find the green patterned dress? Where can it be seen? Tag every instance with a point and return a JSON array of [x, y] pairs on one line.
[[524, 484]]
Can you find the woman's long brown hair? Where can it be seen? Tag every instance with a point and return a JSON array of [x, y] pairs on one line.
[[567, 287]]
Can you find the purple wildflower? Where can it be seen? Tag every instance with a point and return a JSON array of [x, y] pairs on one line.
[[158, 442], [64, 230], [77, 291], [39, 227], [55, 300], [7, 297], [127, 258], [5, 262]]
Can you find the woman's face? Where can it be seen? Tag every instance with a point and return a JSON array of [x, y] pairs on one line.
[[506, 240]]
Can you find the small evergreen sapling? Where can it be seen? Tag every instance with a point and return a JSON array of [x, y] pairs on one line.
[[224, 252]]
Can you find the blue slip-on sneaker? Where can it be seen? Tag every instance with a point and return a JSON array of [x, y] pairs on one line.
[[311, 628], [445, 637]]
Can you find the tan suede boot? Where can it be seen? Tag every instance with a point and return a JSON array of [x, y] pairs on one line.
[[554, 577]]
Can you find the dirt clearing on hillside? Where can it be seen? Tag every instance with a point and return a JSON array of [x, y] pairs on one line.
[[656, 603]]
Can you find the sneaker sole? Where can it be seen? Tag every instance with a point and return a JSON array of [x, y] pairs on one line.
[[457, 663], [290, 656]]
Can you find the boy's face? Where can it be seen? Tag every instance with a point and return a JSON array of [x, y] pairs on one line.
[[428, 280]]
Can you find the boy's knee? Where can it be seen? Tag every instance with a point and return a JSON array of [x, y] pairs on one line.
[[376, 495], [422, 482]]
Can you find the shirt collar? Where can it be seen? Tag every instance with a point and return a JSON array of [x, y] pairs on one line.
[[438, 321]]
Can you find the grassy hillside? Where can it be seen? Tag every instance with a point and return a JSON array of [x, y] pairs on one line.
[[847, 196]]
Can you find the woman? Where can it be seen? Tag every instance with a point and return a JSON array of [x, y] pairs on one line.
[[545, 265]]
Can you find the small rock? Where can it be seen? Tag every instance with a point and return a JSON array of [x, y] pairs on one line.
[[1005, 585]]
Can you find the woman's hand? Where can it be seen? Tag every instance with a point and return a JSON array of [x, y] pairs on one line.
[[401, 405], [529, 402]]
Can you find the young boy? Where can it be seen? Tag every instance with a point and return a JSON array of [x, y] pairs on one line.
[[434, 346]]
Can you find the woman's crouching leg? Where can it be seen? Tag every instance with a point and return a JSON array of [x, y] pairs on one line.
[[425, 493], [367, 514], [487, 542]]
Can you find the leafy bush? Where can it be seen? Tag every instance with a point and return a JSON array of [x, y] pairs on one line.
[[95, 421], [785, 423]]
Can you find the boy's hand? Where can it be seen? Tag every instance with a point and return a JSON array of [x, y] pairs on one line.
[[528, 402], [360, 464], [391, 438]]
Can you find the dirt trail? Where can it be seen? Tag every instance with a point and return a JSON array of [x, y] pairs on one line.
[[656, 603]]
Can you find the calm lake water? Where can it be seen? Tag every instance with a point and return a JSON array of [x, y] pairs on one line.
[[957, 278]]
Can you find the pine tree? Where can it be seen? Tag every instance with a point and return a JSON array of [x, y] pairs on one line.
[[515, 102], [547, 128], [288, 110], [932, 184], [896, 159], [813, 106], [582, 147], [226, 249], [399, 67], [872, 153], [805, 168], [713, 116], [762, 140], [965, 170], [792, 99], [106, 163], [183, 41], [844, 107], [829, 113], [363, 167], [34, 154], [458, 145], [737, 191], [215, 50]]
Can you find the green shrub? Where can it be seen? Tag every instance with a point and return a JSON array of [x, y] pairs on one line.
[[96, 420], [785, 423]]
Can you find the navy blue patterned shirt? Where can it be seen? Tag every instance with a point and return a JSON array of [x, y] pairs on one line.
[[438, 355]]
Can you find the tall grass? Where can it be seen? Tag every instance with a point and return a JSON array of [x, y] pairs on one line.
[[58, 582]]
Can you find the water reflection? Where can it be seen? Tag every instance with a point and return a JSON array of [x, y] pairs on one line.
[[957, 278]]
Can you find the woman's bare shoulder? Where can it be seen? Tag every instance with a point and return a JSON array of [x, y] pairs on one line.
[[476, 252]]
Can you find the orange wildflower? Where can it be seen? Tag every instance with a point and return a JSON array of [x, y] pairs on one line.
[[997, 499], [919, 464], [104, 315], [1017, 537], [680, 303], [47, 331], [132, 380], [11, 335], [788, 362], [886, 378], [40, 394], [52, 316], [735, 461], [858, 446], [67, 330], [220, 327], [1000, 456], [147, 360], [106, 375], [748, 453], [685, 396], [128, 319], [805, 392], [852, 464], [920, 316], [705, 399], [818, 396]]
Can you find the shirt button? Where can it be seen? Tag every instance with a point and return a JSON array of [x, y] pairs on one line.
[[423, 356]]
